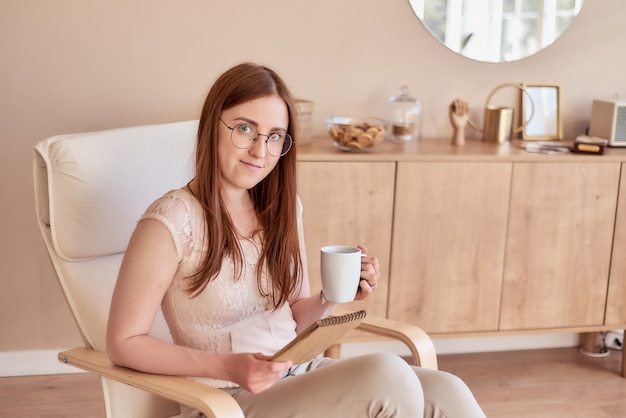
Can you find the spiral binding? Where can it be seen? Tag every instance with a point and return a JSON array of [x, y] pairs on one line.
[[342, 319]]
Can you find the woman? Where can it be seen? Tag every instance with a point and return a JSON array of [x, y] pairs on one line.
[[224, 257]]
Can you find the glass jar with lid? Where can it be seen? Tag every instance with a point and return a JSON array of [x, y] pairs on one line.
[[405, 116]]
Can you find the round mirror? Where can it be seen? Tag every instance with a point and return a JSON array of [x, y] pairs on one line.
[[496, 30]]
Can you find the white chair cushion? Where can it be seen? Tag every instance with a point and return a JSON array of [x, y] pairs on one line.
[[105, 181]]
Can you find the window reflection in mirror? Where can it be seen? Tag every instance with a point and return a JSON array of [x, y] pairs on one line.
[[496, 30]]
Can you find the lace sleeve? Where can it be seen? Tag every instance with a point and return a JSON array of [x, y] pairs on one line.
[[172, 212]]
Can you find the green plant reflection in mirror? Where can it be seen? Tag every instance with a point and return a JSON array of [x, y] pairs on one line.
[[496, 30]]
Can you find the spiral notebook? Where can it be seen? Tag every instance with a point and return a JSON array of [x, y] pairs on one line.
[[318, 337]]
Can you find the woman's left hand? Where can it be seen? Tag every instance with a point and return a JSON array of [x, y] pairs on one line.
[[370, 274]]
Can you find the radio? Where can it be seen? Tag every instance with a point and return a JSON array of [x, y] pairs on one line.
[[608, 121]]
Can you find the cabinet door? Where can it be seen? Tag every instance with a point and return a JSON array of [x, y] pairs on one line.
[[348, 203], [615, 303], [558, 244], [448, 245]]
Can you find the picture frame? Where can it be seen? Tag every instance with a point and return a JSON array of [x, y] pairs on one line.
[[541, 112]]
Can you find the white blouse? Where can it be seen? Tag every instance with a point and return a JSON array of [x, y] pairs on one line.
[[230, 315]]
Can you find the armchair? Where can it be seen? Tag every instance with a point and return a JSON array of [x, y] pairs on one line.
[[90, 190]]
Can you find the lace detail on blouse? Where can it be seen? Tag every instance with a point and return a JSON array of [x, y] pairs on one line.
[[230, 314]]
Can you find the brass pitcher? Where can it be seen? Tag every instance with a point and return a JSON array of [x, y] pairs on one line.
[[498, 123]]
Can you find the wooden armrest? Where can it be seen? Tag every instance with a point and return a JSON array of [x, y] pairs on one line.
[[213, 402], [416, 339]]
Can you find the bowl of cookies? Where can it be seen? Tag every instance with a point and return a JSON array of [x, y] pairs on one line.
[[356, 134]]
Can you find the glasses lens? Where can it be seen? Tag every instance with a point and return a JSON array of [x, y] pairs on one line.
[[243, 135], [278, 143]]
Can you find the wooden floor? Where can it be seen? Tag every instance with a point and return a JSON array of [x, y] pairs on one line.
[[543, 383], [538, 383]]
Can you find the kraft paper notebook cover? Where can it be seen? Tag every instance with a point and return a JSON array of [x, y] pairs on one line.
[[318, 337]]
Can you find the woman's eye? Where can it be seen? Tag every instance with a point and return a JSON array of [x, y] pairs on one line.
[[277, 136], [244, 128]]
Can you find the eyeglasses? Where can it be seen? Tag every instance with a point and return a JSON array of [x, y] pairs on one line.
[[245, 135]]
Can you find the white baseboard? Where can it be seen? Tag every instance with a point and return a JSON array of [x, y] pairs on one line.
[[44, 362], [33, 362]]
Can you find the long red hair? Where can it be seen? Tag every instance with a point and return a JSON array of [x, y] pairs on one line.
[[274, 197]]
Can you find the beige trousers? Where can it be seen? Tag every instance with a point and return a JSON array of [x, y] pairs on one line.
[[374, 385]]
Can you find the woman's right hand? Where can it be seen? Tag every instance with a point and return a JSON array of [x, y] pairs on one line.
[[255, 372]]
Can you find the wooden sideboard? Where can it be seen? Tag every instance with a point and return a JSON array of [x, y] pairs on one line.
[[482, 239]]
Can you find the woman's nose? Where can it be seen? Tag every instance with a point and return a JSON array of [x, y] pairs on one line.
[[259, 149]]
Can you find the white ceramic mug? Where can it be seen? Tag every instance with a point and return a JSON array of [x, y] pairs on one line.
[[340, 268]]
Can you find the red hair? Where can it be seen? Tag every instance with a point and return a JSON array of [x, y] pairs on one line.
[[274, 197]]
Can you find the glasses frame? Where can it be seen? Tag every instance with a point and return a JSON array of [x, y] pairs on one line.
[[258, 134]]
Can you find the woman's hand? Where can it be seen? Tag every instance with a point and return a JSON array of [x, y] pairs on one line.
[[370, 274], [254, 372]]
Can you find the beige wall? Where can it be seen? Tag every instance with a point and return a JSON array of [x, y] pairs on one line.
[[75, 65]]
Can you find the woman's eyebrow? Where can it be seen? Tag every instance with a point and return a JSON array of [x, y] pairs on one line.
[[244, 119]]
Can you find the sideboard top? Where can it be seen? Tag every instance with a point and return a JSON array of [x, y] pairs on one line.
[[322, 149]]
